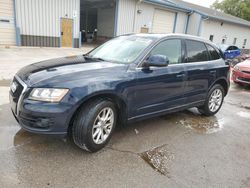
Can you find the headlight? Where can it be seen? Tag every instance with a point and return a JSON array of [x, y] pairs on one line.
[[48, 94], [237, 68]]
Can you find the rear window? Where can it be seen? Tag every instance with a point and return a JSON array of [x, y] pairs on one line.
[[213, 53], [232, 48], [196, 51]]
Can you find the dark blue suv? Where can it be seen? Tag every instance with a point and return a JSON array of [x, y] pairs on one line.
[[127, 79]]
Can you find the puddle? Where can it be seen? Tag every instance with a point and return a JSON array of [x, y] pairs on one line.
[[244, 114], [201, 124], [159, 159], [13, 136]]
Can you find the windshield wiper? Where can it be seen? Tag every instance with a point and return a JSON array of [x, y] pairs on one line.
[[94, 58], [86, 56], [99, 59]]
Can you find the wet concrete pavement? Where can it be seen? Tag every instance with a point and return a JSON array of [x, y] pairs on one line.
[[184, 150]]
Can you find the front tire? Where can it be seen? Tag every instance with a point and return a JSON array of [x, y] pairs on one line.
[[214, 101], [94, 125]]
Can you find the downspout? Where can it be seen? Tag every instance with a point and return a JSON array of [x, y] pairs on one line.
[[17, 29], [175, 22], [187, 21], [80, 33], [200, 24], [116, 17]]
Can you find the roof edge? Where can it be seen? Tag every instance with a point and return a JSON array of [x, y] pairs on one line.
[[220, 19], [172, 5], [168, 5]]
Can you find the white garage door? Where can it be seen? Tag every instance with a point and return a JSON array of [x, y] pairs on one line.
[[7, 27], [163, 21]]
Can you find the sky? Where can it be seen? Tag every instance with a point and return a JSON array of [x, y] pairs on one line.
[[205, 3]]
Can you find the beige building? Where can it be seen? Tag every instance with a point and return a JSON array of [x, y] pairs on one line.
[[71, 23]]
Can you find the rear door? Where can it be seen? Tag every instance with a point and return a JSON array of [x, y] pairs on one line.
[[161, 88], [200, 74]]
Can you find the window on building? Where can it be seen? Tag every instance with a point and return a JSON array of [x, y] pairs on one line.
[[235, 40], [211, 38], [170, 48], [245, 42], [196, 51], [213, 53]]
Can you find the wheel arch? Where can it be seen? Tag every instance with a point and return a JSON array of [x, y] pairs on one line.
[[119, 102], [223, 82]]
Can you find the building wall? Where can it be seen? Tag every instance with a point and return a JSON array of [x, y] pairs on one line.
[[125, 17], [193, 25], [145, 18], [181, 22], [226, 30], [40, 21], [7, 24], [129, 21], [105, 22]]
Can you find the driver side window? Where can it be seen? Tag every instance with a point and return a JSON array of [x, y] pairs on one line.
[[170, 48]]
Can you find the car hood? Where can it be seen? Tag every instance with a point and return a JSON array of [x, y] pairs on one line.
[[69, 69], [244, 65]]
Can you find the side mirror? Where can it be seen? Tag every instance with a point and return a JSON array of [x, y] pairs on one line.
[[157, 61]]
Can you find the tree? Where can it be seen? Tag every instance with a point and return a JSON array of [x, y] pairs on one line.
[[239, 8]]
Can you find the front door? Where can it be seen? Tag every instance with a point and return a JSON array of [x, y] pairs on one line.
[[67, 32], [161, 88]]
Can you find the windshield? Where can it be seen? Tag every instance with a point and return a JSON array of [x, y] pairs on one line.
[[124, 49]]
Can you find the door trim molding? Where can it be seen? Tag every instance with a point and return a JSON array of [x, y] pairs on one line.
[[164, 110]]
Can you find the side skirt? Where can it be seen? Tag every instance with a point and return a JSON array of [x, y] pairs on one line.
[[165, 111]]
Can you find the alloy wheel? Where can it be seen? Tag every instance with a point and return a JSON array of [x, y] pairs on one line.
[[103, 125], [215, 100]]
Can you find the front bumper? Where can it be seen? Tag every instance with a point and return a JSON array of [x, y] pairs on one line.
[[241, 77], [39, 117]]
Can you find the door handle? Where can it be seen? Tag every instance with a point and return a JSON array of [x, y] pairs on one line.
[[180, 75], [213, 72], [61, 33]]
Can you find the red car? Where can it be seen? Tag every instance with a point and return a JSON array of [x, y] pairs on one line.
[[241, 73]]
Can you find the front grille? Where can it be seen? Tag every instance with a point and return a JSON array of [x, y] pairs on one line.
[[16, 95], [247, 72], [244, 79]]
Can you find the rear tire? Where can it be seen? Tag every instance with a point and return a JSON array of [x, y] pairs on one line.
[[214, 101], [91, 131]]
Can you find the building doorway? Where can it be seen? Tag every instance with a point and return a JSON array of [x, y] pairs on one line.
[[66, 32], [97, 20]]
